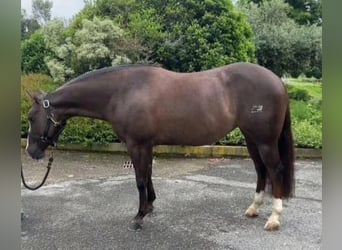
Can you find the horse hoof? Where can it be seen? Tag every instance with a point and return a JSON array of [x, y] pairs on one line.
[[251, 212], [272, 225], [135, 227]]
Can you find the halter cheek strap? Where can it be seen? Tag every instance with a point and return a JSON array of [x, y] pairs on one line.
[[51, 140]]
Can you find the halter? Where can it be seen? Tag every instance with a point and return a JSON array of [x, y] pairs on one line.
[[45, 138], [52, 141]]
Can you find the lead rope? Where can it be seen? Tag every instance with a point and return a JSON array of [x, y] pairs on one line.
[[45, 177]]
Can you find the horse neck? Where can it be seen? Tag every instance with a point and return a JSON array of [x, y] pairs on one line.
[[75, 100]]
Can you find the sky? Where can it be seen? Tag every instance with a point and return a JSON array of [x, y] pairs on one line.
[[61, 8]]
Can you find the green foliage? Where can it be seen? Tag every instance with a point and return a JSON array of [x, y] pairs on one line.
[[33, 52], [61, 47], [145, 34], [307, 135], [282, 45], [118, 11], [312, 89], [306, 12], [167, 32], [88, 131], [94, 45], [28, 25], [233, 138], [212, 32], [306, 124], [306, 113], [297, 93]]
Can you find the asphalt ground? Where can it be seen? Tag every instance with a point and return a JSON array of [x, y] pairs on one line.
[[90, 199]]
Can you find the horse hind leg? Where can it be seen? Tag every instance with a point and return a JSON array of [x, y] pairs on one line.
[[270, 156], [253, 209]]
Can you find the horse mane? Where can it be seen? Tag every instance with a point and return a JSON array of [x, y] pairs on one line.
[[97, 72]]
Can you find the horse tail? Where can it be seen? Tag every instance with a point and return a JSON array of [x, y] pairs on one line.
[[286, 152]]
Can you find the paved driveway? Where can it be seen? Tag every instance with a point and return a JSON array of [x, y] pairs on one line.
[[90, 199]]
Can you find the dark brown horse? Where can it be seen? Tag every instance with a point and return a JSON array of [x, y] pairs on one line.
[[149, 106]]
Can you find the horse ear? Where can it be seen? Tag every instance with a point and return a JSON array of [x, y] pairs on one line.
[[33, 96], [42, 92]]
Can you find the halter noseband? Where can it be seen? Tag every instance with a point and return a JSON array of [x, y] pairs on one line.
[[51, 140]]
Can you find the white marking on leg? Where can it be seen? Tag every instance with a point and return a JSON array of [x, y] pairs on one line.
[[27, 141], [273, 221], [253, 209]]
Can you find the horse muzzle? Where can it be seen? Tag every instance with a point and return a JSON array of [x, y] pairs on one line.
[[35, 153]]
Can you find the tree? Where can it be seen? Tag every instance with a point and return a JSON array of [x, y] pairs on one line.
[[33, 53], [41, 13], [95, 45], [41, 10], [282, 45], [194, 35], [59, 61], [28, 25], [145, 35], [167, 32], [304, 12], [118, 11]]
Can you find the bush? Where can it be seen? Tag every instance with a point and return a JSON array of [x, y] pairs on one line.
[[307, 122], [233, 138], [88, 131], [297, 93], [306, 134]]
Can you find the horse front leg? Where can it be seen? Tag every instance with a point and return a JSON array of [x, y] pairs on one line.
[[141, 156]]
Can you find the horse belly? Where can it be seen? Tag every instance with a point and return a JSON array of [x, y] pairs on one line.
[[198, 117], [194, 132]]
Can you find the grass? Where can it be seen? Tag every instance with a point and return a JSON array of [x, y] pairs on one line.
[[313, 87], [306, 111]]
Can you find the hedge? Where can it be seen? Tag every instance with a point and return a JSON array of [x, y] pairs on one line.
[[306, 102]]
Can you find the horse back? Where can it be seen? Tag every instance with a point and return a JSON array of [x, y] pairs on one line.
[[196, 108]]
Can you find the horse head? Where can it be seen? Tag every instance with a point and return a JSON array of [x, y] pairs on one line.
[[45, 126]]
